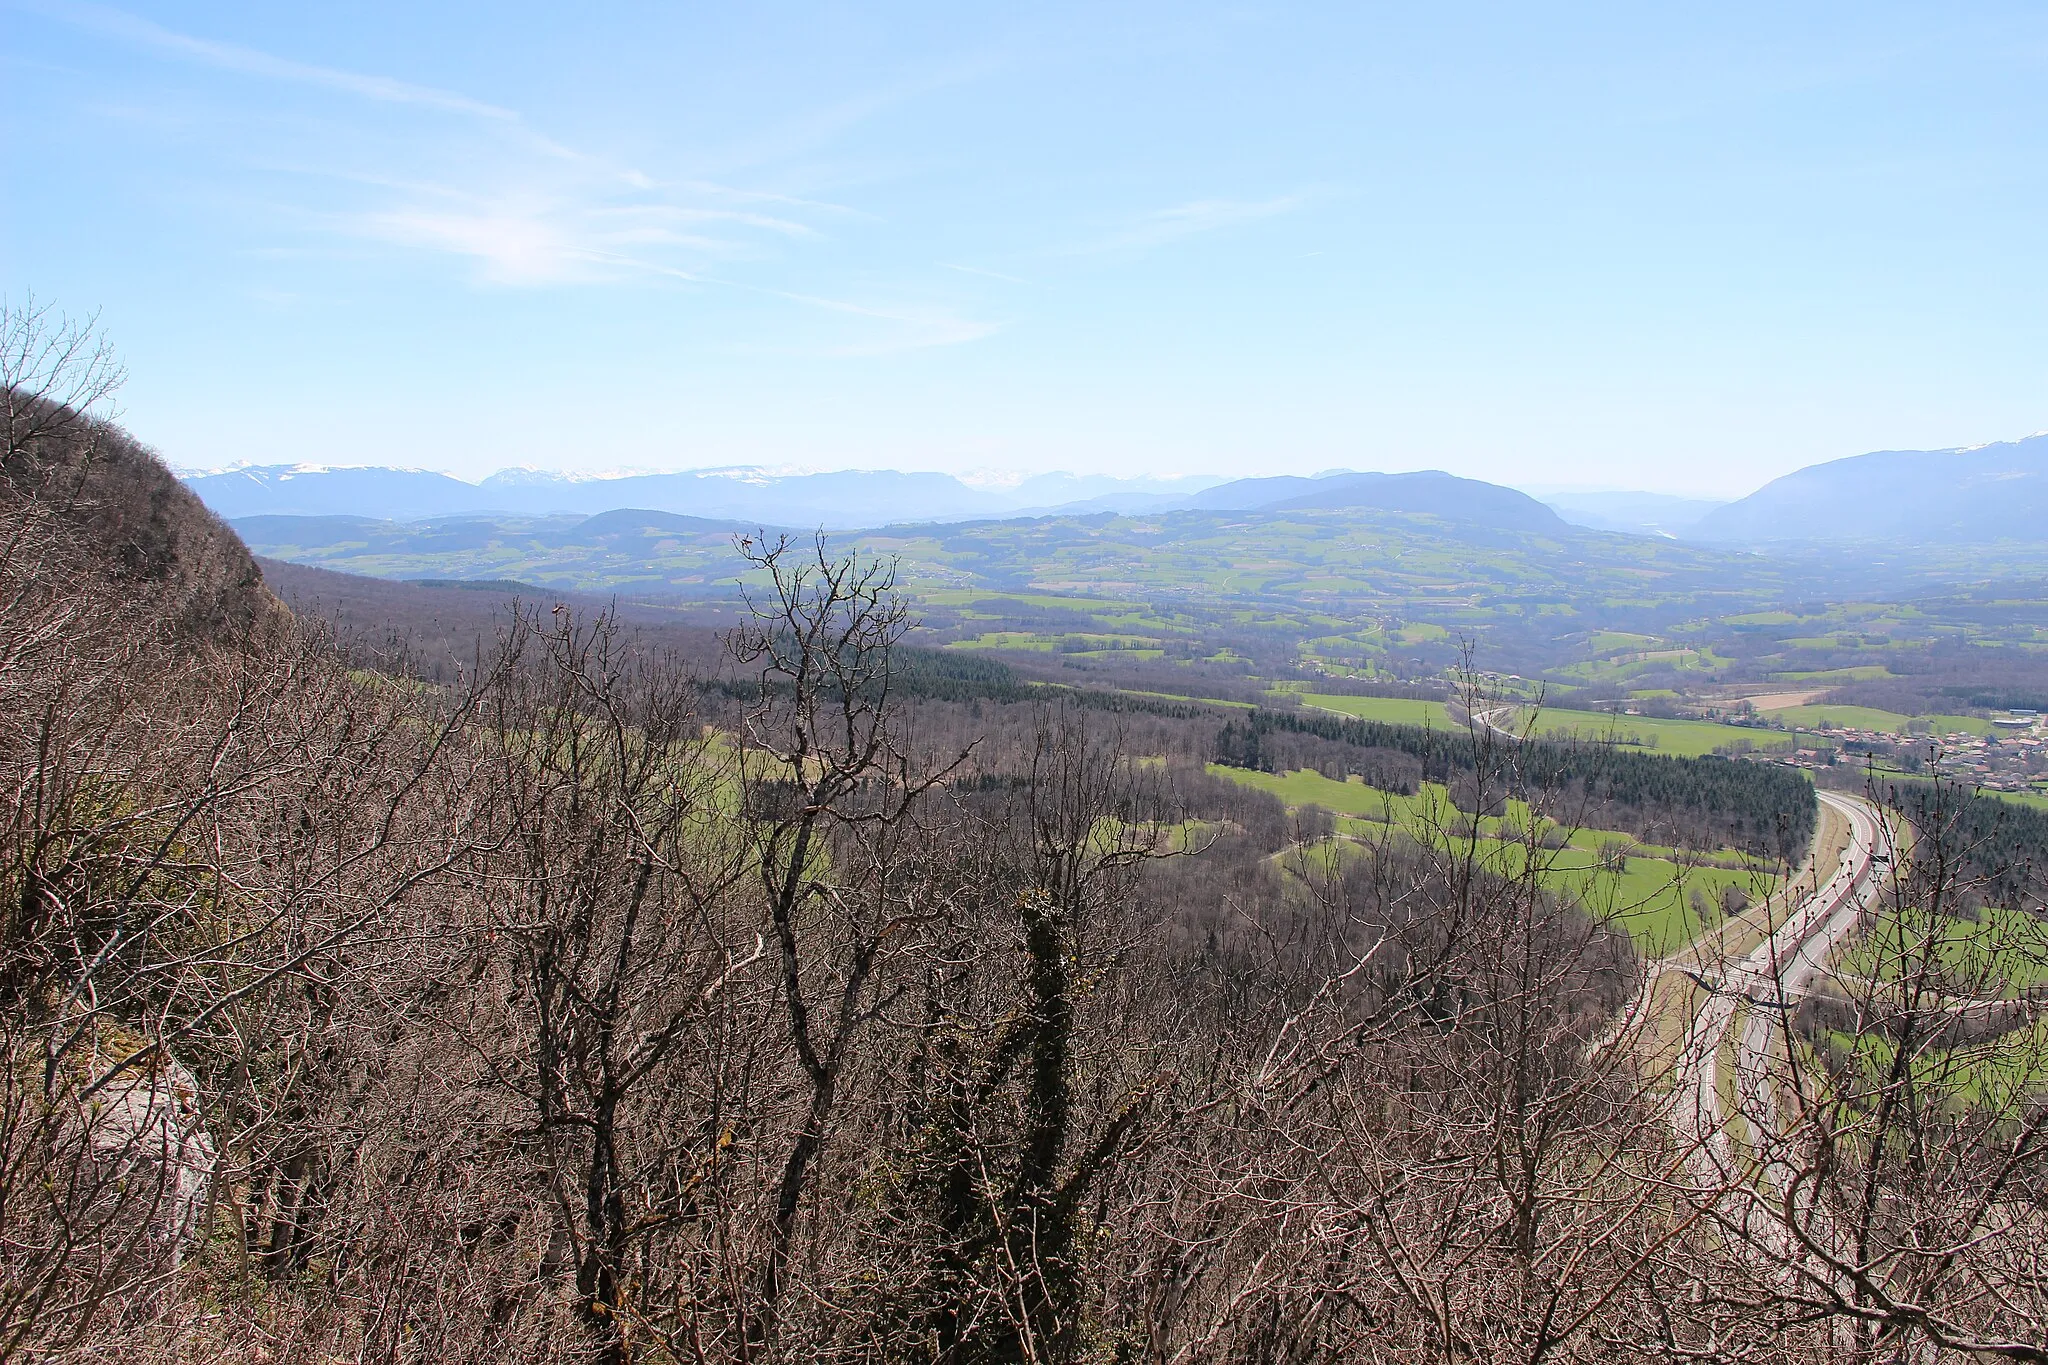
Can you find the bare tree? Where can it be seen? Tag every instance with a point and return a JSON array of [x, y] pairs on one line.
[[57, 374], [1028, 1079], [613, 911], [1911, 1135], [823, 752]]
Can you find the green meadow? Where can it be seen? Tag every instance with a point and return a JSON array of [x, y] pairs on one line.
[[1870, 718], [1684, 738], [1996, 955], [1392, 710], [1650, 896], [2001, 1074]]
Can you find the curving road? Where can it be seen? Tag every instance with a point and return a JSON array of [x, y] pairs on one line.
[[1770, 979]]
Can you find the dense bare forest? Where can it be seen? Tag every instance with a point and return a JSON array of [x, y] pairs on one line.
[[568, 991]]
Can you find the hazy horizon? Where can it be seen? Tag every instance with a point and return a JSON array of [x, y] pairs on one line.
[[980, 480]]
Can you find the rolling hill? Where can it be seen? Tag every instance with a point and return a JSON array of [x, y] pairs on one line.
[[1430, 492], [1363, 581], [1970, 494]]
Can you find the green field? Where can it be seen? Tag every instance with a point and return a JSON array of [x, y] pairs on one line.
[[969, 597], [2001, 1074], [1870, 718], [1610, 641], [1998, 954], [1856, 673], [1650, 899], [1309, 788], [1392, 710], [1009, 639], [1685, 738], [1186, 697]]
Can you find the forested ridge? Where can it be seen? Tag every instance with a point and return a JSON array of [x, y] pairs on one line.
[[572, 991]]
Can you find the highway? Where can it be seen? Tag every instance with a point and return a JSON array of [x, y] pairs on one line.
[[1749, 1188], [1771, 979]]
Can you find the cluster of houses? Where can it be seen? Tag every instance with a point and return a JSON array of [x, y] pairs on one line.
[[2012, 758]]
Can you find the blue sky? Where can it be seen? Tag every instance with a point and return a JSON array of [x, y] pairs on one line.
[[1683, 248]]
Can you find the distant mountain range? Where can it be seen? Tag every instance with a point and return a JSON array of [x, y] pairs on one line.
[[1973, 493], [845, 500], [840, 500]]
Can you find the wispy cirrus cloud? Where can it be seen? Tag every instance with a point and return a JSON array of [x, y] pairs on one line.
[[523, 208], [986, 274], [476, 183], [529, 241], [517, 245], [133, 28], [1187, 220]]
